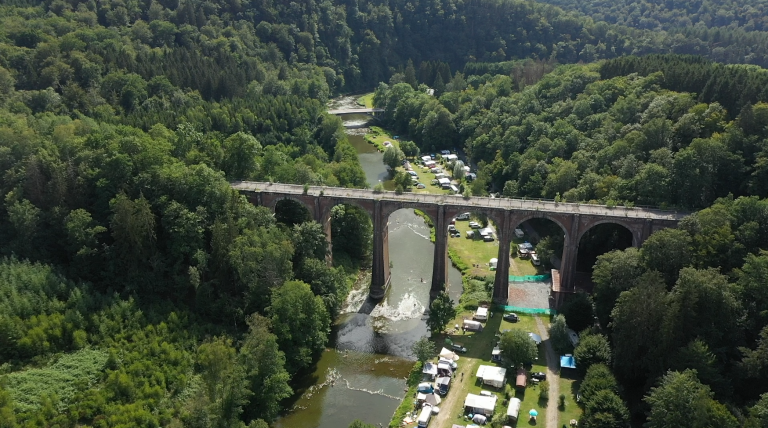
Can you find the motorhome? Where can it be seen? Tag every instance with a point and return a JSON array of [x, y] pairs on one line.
[[424, 417]]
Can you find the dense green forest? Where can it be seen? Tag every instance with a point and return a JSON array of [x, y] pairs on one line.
[[663, 131], [146, 292]]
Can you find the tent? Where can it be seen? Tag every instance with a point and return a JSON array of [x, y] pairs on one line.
[[481, 314], [479, 419], [514, 408], [425, 387], [444, 369], [448, 355], [494, 263], [430, 369], [433, 399], [535, 337], [567, 361], [494, 376], [480, 404]]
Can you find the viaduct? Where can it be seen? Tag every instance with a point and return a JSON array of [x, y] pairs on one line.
[[507, 214]]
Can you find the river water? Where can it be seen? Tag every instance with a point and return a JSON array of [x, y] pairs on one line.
[[362, 376]]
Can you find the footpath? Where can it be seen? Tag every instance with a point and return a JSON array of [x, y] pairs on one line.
[[553, 376]]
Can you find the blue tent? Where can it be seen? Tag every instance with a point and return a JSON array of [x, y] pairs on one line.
[[567, 361]]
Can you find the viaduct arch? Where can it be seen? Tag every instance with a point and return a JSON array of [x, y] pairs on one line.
[[507, 214]]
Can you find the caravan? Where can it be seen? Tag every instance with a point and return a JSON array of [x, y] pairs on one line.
[[424, 417]]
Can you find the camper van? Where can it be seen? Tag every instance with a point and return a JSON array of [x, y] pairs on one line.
[[424, 417]]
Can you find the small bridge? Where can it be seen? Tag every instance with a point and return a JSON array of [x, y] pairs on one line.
[[345, 111], [507, 214]]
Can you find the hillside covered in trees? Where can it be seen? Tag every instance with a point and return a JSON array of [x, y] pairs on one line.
[[658, 130], [147, 293]]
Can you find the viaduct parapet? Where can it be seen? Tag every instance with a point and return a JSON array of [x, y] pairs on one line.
[[507, 214]]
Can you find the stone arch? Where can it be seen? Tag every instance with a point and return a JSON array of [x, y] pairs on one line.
[[517, 220], [495, 215], [631, 227], [310, 215], [271, 203], [430, 210]]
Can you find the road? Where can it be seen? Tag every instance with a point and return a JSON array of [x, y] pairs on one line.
[[553, 376], [476, 201]]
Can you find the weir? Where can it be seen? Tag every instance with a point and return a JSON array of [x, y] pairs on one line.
[[574, 219]]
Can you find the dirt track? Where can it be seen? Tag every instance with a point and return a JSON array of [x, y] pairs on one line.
[[553, 376]]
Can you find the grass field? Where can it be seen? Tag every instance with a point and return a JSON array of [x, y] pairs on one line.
[[522, 267], [377, 136], [569, 385], [473, 251], [366, 100], [479, 347]]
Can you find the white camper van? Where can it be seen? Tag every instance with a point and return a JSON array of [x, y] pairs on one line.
[[424, 417]]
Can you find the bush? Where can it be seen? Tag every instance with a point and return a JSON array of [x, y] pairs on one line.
[[378, 188], [544, 390], [561, 403]]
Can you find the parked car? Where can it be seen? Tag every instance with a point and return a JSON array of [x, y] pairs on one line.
[[535, 259], [511, 317], [453, 221], [462, 216], [452, 229], [474, 225], [539, 376], [421, 186], [488, 238], [458, 348]]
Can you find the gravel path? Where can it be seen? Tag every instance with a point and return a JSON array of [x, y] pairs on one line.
[[458, 392], [553, 376]]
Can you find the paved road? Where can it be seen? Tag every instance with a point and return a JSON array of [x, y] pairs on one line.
[[359, 110], [520, 204], [553, 376]]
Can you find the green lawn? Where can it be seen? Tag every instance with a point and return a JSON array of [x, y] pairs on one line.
[[366, 100], [569, 386], [377, 136], [479, 347], [473, 251], [522, 267]]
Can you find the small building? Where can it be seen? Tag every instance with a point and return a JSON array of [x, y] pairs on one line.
[[513, 410], [480, 404], [494, 263], [494, 376], [521, 381], [481, 314], [472, 325]]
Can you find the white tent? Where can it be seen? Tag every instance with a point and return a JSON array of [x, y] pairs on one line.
[[481, 314], [494, 263], [448, 355], [430, 369], [480, 404], [514, 408], [472, 325], [494, 376]]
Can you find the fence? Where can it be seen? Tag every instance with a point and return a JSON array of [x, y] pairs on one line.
[[530, 278], [532, 311]]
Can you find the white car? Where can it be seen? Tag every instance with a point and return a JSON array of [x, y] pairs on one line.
[[474, 225]]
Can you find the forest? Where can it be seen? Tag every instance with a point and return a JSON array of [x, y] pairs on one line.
[[146, 292]]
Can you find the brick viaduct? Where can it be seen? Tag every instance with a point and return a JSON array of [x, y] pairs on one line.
[[507, 214]]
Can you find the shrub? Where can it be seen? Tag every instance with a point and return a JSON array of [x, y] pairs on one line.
[[544, 390]]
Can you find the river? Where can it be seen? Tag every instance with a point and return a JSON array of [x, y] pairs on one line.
[[362, 376]]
